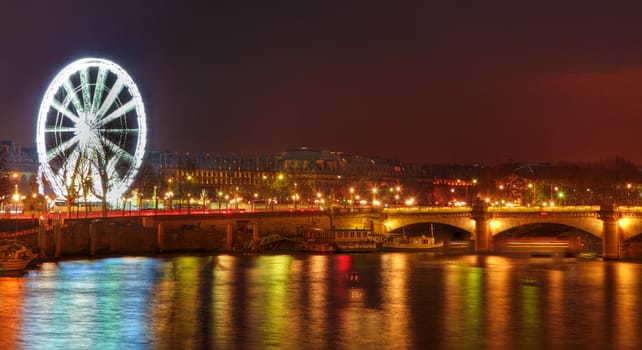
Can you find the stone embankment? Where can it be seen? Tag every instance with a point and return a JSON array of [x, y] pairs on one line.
[[143, 235]]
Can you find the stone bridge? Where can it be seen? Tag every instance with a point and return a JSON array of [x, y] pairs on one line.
[[612, 224]]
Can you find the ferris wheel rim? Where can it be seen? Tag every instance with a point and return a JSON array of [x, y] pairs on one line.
[[97, 109]]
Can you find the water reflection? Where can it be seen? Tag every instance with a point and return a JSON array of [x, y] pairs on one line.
[[396, 300]]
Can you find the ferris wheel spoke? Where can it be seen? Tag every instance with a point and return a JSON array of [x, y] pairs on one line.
[[66, 170], [110, 169], [98, 91], [126, 108], [61, 129], [84, 83], [111, 97], [119, 131], [72, 162], [121, 153], [69, 87], [65, 111], [62, 148]]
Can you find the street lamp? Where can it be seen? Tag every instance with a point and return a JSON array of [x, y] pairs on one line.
[[531, 186], [256, 198], [155, 200], [236, 199], [397, 194], [628, 194], [168, 197], [560, 195], [203, 200], [16, 199], [374, 196], [296, 195]]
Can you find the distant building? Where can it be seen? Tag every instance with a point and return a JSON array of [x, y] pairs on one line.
[[303, 176], [22, 165]]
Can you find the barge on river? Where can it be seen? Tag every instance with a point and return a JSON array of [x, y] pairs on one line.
[[320, 240], [411, 244]]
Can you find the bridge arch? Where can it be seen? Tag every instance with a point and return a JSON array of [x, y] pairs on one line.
[[462, 222], [630, 226], [580, 240], [590, 224]]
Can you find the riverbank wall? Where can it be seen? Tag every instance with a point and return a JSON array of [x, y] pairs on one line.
[[152, 234]]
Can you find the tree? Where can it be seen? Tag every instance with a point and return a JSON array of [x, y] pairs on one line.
[[72, 167], [145, 182], [87, 185], [5, 183]]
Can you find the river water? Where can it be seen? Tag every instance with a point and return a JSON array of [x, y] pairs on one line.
[[360, 301]]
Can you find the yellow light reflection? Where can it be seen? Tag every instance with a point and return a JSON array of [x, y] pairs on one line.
[[394, 272], [318, 294], [223, 301], [498, 312], [272, 299], [627, 302], [557, 308], [11, 302]]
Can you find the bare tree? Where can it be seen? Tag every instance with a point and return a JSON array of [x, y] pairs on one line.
[[101, 164], [145, 181], [87, 185], [5, 184], [71, 167]]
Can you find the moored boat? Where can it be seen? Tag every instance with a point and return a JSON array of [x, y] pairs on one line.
[[412, 243], [14, 256], [335, 240], [319, 247]]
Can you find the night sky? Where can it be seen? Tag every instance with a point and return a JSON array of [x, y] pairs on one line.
[[424, 81]]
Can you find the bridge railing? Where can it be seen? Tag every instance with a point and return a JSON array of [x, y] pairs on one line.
[[410, 210], [569, 208], [577, 211]]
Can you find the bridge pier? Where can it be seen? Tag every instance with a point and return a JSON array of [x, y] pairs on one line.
[[92, 239], [57, 240], [42, 240], [255, 236], [160, 240], [611, 245], [229, 237], [482, 234]]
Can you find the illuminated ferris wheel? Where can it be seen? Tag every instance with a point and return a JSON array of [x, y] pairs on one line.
[[91, 130]]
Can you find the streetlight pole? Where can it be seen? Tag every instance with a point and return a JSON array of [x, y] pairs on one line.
[[256, 197], [295, 197], [236, 199], [628, 194], [374, 196]]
